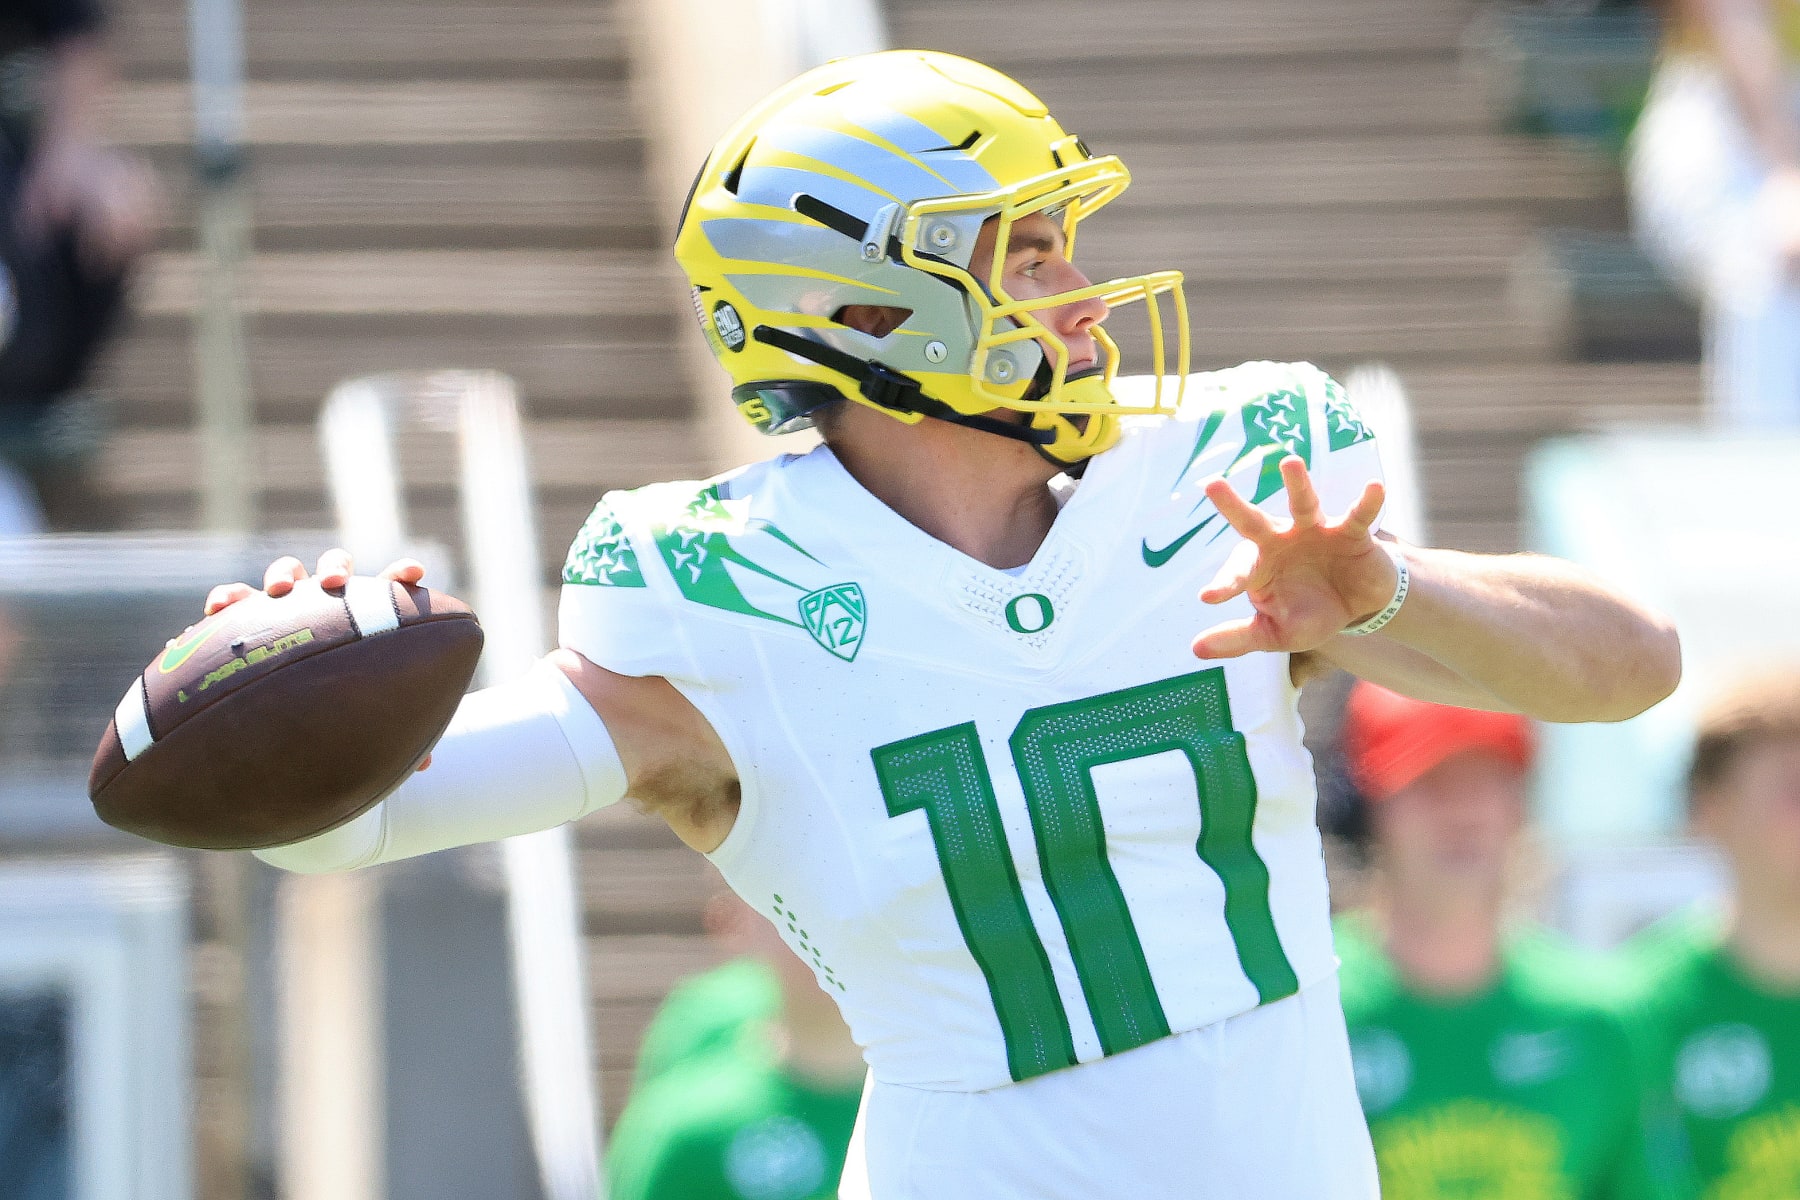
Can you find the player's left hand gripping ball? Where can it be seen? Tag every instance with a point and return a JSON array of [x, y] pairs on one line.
[[279, 718]]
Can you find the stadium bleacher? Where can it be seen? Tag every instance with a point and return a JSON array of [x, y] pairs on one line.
[[1340, 185]]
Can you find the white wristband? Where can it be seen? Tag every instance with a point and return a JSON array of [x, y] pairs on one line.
[[1402, 582]]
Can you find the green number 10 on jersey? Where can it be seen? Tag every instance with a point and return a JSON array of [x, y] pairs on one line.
[[1055, 750]]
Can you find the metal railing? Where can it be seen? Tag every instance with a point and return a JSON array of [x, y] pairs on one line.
[[358, 430]]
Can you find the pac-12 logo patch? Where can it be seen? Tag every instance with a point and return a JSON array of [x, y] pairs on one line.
[[837, 617], [729, 324]]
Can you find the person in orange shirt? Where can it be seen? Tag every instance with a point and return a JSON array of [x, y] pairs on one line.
[[1483, 1063]]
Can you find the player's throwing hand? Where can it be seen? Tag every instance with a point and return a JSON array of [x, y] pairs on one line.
[[335, 569], [1308, 578]]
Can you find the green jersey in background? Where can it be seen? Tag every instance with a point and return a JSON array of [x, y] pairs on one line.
[[710, 1013], [715, 1115], [1721, 1060], [1522, 1091]]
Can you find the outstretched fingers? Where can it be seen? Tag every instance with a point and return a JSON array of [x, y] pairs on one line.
[[1243, 516], [1234, 576], [1234, 639], [1362, 515], [1303, 501]]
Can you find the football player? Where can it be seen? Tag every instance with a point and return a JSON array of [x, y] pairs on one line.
[[1719, 1017], [931, 693]]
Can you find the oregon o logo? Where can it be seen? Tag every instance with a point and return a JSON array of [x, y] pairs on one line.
[[1030, 613]]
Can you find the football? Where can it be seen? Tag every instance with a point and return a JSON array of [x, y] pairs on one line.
[[277, 719]]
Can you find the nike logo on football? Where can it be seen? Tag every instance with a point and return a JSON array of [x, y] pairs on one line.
[[182, 649], [1156, 558]]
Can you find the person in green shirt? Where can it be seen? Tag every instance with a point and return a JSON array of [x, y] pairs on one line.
[[1485, 1067], [747, 1081], [1719, 1018]]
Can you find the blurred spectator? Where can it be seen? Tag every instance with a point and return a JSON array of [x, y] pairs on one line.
[[1715, 181], [1482, 1064], [1719, 1021], [74, 216], [748, 1082]]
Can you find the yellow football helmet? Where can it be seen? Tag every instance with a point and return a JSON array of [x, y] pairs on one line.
[[866, 182]]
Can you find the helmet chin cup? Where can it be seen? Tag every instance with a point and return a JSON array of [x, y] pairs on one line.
[[1081, 435]]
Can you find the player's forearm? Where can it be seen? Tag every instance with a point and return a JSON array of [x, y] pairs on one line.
[[1539, 635], [519, 758]]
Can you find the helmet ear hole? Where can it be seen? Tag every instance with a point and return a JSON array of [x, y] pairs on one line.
[[876, 320]]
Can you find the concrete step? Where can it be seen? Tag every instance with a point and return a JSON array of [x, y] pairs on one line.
[[147, 479], [511, 283], [1477, 426], [504, 202], [1480, 535], [1473, 491], [568, 368], [1192, 99], [1128, 33], [1598, 297], [645, 891], [1405, 322], [350, 113], [1551, 398], [585, 455], [388, 40], [1399, 172], [433, 514], [1370, 246]]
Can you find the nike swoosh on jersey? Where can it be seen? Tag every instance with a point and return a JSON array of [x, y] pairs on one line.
[[1156, 558]]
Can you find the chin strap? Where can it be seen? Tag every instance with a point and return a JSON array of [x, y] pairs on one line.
[[887, 388]]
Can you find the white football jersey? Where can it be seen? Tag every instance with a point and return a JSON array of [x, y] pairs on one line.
[[1008, 817]]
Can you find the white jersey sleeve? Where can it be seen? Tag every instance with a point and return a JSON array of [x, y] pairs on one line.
[[613, 611], [1281, 409], [1239, 424]]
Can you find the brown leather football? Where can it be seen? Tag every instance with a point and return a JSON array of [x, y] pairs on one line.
[[277, 719]]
